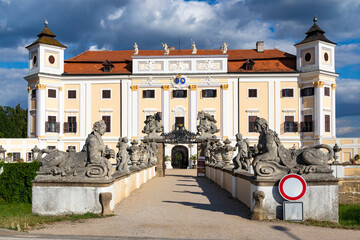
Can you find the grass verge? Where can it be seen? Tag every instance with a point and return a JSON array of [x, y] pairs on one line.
[[349, 218], [18, 216]]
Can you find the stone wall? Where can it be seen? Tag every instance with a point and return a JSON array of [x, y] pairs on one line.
[[349, 191], [61, 198]]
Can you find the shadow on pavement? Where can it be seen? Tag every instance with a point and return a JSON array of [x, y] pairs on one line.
[[286, 231], [220, 200]]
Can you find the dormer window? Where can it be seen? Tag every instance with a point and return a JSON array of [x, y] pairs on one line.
[[249, 64], [107, 66]]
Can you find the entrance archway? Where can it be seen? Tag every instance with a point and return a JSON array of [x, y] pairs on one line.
[[180, 157]]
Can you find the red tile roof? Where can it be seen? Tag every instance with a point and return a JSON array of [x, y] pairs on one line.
[[90, 62]]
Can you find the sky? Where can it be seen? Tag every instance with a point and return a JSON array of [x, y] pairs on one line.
[[117, 24]]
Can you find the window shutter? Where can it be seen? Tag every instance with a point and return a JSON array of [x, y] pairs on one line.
[[46, 126], [174, 93], [296, 127], [302, 92], [66, 127], [302, 126], [185, 93], [144, 93], [203, 93], [327, 123], [215, 92], [57, 127], [283, 92], [291, 92]]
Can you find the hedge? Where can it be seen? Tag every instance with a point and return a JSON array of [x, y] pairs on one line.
[[16, 181]]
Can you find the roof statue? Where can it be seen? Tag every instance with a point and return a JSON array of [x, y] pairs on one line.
[[224, 48], [166, 48], [194, 49], [273, 160], [136, 49]]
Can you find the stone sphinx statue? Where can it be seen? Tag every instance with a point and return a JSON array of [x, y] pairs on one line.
[[207, 125], [92, 162], [242, 159], [153, 126], [273, 160], [123, 157]]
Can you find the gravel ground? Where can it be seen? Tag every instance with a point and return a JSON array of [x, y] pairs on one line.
[[181, 206]]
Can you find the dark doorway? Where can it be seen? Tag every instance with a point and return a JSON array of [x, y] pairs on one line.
[[179, 157]]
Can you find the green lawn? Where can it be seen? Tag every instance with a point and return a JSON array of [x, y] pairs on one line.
[[18, 216], [349, 215]]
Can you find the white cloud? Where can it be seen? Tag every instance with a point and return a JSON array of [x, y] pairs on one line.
[[95, 48], [347, 54], [116, 15], [348, 91], [6, 1], [348, 126], [13, 87]]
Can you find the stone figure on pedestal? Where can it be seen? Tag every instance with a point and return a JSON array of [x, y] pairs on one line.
[[227, 152], [207, 126], [218, 149], [153, 150], [153, 126], [242, 159], [122, 157], [134, 151], [92, 162], [273, 160]]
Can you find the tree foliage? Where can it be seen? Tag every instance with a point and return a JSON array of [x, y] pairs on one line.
[[13, 122]]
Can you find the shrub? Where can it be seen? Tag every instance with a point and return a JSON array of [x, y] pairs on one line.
[[16, 181]]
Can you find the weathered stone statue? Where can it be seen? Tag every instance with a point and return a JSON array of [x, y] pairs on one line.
[[153, 150], [227, 152], [143, 155], [273, 160], [166, 48], [207, 126], [218, 148], [92, 162], [122, 157], [242, 159], [153, 126], [134, 151]]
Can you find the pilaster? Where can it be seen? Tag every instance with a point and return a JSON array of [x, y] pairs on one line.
[[226, 113], [40, 110], [193, 108], [318, 116], [135, 111], [82, 114], [166, 107], [61, 111], [29, 123], [333, 110], [124, 109]]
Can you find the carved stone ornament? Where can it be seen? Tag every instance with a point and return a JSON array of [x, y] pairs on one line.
[[227, 152], [153, 126], [273, 160], [122, 157], [207, 126], [242, 159], [88, 165]]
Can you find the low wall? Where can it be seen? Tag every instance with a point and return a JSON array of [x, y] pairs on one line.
[[320, 201], [61, 198]]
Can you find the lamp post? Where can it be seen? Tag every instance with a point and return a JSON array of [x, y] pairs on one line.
[[337, 150]]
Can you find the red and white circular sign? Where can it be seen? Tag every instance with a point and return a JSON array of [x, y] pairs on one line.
[[292, 187]]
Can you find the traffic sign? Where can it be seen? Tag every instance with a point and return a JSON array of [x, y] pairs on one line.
[[292, 187]]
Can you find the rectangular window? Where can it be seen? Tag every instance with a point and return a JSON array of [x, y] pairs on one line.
[[208, 93], [51, 93], [51, 147], [252, 123], [307, 125], [148, 93], [29, 157], [307, 92], [290, 125], [179, 93], [33, 93], [327, 123], [252, 93], [179, 122], [71, 94], [327, 91], [106, 94], [288, 92], [70, 125], [16, 156], [51, 125], [107, 120]]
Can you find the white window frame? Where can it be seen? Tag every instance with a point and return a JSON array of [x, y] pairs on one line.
[[257, 93], [329, 91], [145, 89], [67, 94], [102, 94], [111, 120], [67, 120], [289, 113], [293, 92], [47, 93], [209, 97]]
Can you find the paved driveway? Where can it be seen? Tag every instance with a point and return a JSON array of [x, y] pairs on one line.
[[181, 206]]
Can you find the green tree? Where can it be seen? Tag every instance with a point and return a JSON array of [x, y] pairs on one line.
[[13, 122]]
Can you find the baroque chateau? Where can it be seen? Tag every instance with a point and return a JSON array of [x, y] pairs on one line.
[[296, 94]]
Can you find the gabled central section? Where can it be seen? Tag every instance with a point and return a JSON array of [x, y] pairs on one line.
[[179, 64]]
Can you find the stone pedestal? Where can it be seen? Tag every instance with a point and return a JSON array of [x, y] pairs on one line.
[[160, 166]]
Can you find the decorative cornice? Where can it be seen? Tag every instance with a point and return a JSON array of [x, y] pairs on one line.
[[318, 84], [166, 87], [193, 87], [333, 86], [134, 87], [225, 86], [40, 86]]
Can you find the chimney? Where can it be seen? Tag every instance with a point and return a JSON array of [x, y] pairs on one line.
[[260, 46]]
